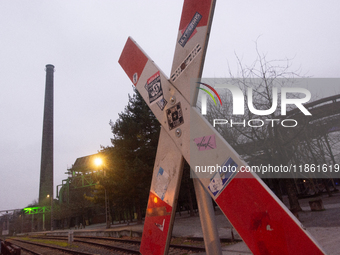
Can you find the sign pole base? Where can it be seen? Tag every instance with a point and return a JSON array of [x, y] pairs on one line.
[[207, 217]]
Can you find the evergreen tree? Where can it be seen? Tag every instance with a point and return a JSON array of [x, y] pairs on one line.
[[130, 161]]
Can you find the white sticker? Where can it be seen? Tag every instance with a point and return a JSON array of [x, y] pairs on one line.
[[161, 227], [215, 184], [162, 182]]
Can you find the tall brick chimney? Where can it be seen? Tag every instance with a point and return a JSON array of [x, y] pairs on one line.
[[46, 167]]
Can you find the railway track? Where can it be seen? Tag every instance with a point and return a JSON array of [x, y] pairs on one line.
[[42, 249], [96, 245]]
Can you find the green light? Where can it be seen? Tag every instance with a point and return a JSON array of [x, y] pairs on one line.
[[36, 210]]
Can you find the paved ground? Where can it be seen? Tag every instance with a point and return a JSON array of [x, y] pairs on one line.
[[323, 225]]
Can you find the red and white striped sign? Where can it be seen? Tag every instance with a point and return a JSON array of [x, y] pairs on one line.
[[193, 30], [262, 221]]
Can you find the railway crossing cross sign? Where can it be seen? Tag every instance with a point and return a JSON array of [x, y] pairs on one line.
[[261, 219]]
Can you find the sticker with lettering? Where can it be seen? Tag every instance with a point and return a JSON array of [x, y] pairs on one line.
[[175, 116], [205, 142], [190, 29], [154, 88]]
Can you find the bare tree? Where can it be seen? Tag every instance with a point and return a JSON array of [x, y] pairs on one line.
[[258, 140]]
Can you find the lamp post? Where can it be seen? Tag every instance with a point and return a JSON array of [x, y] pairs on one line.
[[107, 214], [51, 213], [44, 209], [99, 163]]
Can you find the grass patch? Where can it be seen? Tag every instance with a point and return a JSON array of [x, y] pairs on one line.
[[50, 242], [184, 241]]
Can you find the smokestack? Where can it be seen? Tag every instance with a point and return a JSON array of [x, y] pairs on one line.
[[46, 167]]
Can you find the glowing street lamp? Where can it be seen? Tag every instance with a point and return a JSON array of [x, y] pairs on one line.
[[99, 162]]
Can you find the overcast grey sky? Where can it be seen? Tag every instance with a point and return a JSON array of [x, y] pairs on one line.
[[83, 39]]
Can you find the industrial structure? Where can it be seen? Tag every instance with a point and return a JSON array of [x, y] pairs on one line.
[[83, 176]]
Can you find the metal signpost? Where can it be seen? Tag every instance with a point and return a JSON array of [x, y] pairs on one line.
[[261, 219]]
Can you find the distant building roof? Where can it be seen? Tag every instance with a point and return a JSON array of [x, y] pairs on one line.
[[85, 164]]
